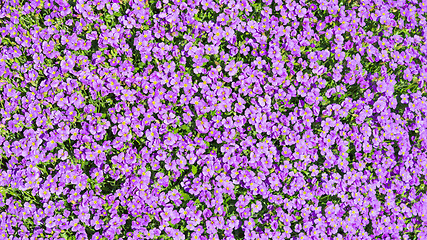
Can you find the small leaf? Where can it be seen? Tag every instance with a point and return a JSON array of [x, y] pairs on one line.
[[185, 196]]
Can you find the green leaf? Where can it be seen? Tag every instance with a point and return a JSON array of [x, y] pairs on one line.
[[185, 196], [186, 128], [194, 169]]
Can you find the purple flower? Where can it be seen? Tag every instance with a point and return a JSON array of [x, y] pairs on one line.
[[50, 222], [203, 125], [44, 193], [379, 106]]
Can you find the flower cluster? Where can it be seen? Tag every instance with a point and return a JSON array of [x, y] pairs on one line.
[[201, 119]]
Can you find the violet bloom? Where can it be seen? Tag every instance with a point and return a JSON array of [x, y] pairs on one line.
[[50, 222], [44, 193], [162, 179], [203, 125], [170, 139], [379, 106], [115, 7], [67, 65]]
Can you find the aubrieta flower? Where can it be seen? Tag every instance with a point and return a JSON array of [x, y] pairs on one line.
[[264, 121]]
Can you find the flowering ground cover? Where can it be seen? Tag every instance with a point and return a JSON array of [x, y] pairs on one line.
[[142, 119]]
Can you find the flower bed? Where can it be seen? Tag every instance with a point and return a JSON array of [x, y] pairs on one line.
[[213, 120]]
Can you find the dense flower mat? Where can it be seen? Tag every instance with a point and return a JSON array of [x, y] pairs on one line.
[[239, 119]]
